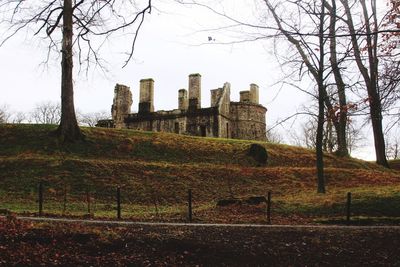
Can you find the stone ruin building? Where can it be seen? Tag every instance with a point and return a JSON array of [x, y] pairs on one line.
[[239, 120]]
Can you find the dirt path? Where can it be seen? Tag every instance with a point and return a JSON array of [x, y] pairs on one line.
[[134, 223]]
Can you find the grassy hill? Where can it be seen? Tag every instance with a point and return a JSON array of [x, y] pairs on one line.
[[155, 170], [395, 164]]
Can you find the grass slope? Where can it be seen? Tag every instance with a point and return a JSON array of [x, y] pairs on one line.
[[156, 170], [395, 164]]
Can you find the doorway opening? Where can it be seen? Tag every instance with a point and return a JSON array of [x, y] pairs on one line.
[[203, 130]]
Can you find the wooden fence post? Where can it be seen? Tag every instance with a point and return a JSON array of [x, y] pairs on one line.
[[118, 203], [40, 200], [190, 205], [64, 199], [88, 200], [348, 208], [269, 207]]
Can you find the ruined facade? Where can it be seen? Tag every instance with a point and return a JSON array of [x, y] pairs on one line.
[[240, 120]]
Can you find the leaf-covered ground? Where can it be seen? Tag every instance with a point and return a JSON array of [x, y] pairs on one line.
[[27, 244], [395, 164]]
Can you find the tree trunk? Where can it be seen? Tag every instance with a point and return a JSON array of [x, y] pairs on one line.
[[376, 119], [319, 150], [329, 136], [340, 128], [335, 123], [68, 129], [318, 73], [321, 98], [375, 105], [370, 78]]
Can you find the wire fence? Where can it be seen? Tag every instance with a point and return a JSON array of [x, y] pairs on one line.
[[119, 204]]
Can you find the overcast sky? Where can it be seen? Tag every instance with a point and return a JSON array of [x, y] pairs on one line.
[[171, 46]]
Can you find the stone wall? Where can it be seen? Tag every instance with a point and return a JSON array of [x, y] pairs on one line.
[[250, 96], [121, 106], [225, 119], [158, 123], [183, 99], [225, 127], [223, 105], [248, 121], [201, 122], [215, 96], [194, 91], [245, 96]]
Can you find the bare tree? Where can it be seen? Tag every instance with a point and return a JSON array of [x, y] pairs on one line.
[[46, 113], [391, 22], [4, 114], [339, 121], [393, 147], [368, 65], [9, 116], [306, 137], [273, 136], [362, 34], [354, 30], [389, 72], [314, 63], [74, 27], [91, 119], [308, 26], [19, 117]]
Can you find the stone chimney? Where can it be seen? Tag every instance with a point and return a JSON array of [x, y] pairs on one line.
[[215, 96], [194, 91], [182, 99], [146, 99], [245, 96], [254, 97], [122, 103]]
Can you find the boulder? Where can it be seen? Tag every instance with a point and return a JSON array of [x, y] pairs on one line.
[[259, 154], [255, 200], [228, 202]]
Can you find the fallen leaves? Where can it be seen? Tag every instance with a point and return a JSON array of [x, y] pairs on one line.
[[23, 243]]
